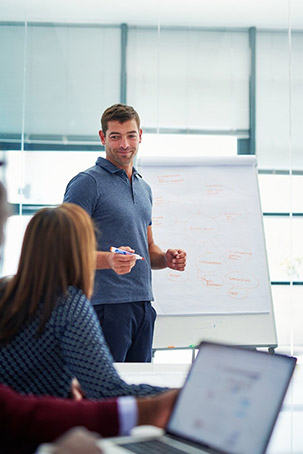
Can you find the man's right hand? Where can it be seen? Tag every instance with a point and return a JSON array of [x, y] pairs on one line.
[[156, 410], [121, 264]]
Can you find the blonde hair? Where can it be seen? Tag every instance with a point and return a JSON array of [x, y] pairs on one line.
[[58, 250]]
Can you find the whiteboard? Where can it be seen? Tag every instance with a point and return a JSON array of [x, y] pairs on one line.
[[210, 207]]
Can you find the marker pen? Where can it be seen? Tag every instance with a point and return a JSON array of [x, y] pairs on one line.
[[121, 251]]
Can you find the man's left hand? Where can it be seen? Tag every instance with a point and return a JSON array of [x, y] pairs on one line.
[[176, 259]]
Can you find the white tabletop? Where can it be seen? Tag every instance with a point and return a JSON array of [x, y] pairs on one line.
[[171, 375]]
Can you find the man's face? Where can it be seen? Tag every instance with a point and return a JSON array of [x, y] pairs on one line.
[[121, 142]]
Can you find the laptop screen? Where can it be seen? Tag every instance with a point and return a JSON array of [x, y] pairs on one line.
[[231, 398]]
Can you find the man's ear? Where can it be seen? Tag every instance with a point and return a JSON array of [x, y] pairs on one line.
[[140, 135], [102, 137]]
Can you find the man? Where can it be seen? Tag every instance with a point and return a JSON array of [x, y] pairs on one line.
[[120, 203], [26, 421], [29, 420]]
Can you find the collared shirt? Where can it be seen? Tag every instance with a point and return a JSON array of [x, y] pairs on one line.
[[128, 414], [122, 212]]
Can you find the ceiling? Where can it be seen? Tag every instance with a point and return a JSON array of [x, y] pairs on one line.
[[273, 14]]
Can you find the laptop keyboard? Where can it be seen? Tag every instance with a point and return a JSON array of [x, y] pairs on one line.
[[152, 447]]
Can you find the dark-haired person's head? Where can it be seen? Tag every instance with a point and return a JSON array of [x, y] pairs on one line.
[[58, 250], [120, 113]]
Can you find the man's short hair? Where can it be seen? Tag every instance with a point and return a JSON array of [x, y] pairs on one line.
[[120, 113]]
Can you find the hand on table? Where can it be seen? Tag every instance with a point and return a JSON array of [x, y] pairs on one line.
[[77, 441]]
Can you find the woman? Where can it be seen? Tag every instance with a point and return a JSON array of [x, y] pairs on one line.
[[49, 332]]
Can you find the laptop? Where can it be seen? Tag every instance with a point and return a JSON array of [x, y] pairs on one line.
[[228, 405]]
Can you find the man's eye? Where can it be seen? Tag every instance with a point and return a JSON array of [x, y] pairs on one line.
[[132, 136], [114, 137]]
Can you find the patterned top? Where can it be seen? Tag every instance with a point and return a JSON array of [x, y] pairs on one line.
[[72, 345]]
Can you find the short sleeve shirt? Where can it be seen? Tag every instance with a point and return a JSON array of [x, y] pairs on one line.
[[122, 212]]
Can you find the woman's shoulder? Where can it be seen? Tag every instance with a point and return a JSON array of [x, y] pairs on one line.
[[75, 295], [73, 302], [73, 292], [73, 309]]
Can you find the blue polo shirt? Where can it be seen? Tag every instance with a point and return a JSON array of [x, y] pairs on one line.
[[122, 212]]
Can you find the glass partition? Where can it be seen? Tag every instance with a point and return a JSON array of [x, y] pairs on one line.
[[12, 87], [223, 82]]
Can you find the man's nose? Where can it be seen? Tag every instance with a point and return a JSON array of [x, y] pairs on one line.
[[124, 142]]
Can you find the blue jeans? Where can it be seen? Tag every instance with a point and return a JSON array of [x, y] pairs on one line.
[[128, 329]]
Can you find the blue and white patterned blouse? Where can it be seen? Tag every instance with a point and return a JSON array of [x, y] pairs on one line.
[[72, 345]]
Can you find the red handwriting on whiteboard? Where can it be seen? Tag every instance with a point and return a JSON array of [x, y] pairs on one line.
[[170, 179]]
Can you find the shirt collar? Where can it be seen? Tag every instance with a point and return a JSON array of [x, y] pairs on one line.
[[111, 168]]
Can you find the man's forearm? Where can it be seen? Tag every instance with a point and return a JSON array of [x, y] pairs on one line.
[[102, 260], [157, 258]]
